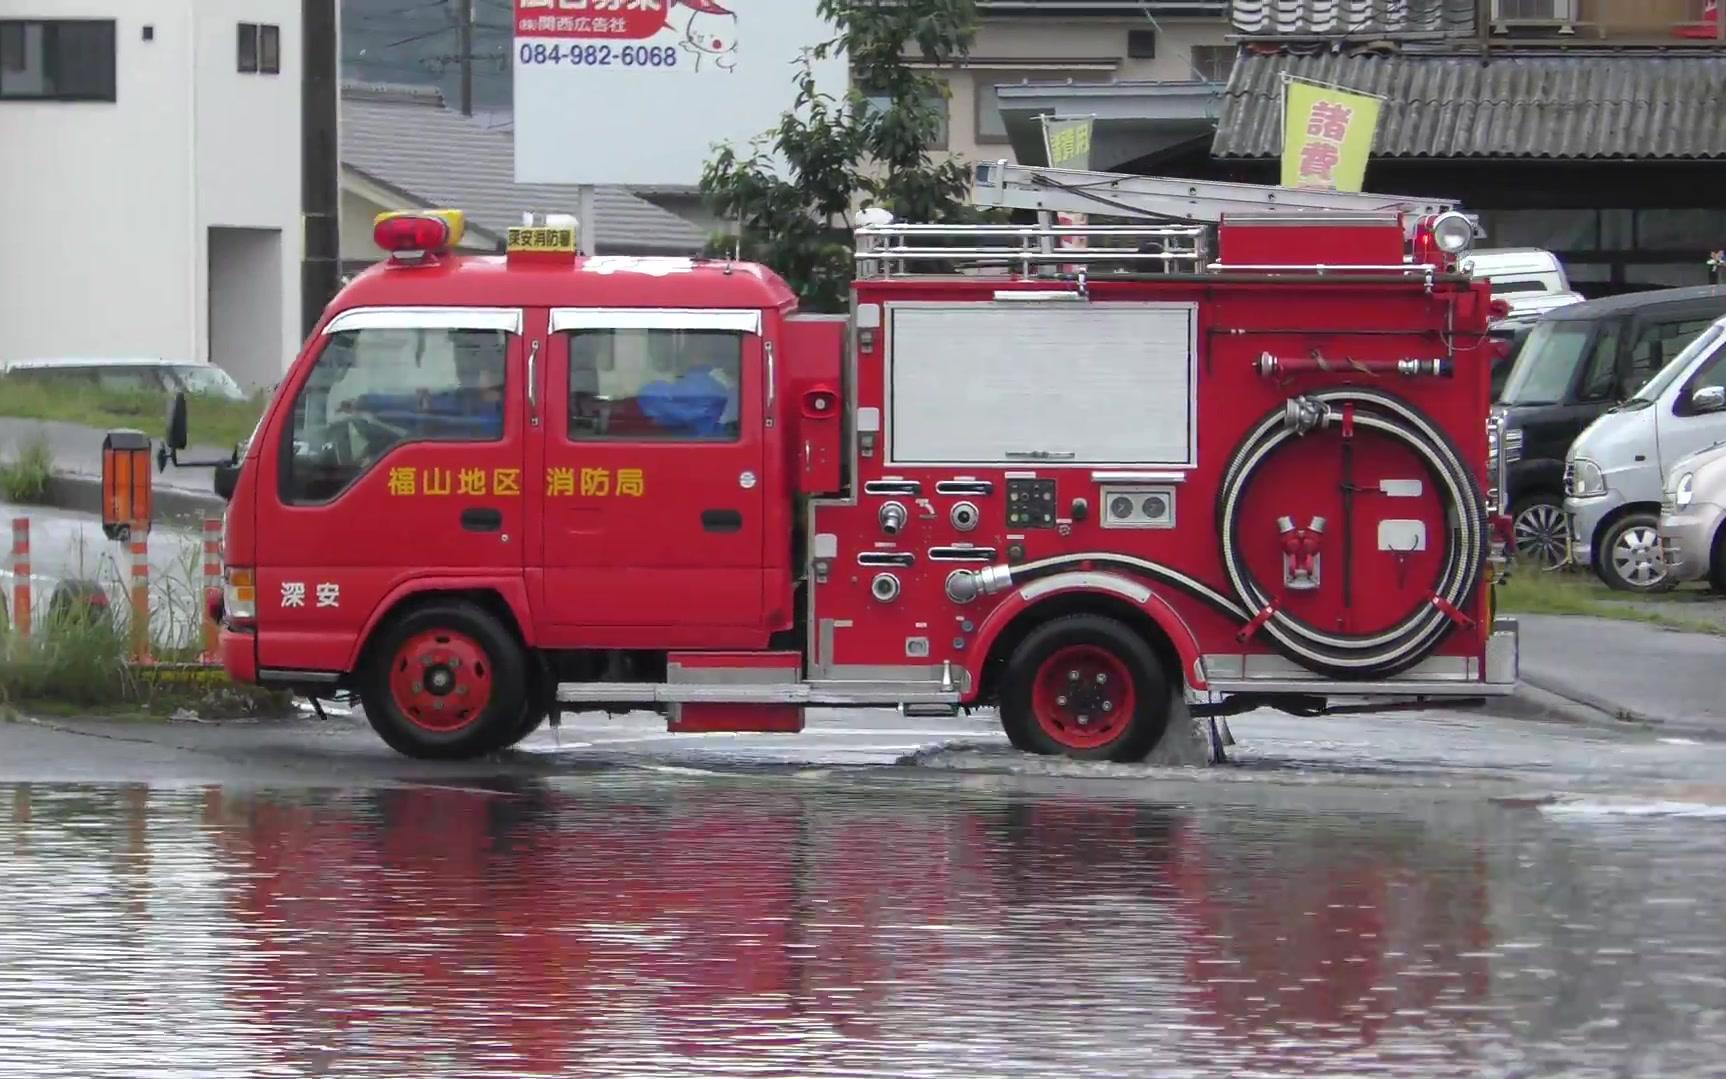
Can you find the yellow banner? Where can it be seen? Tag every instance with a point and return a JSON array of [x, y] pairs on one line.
[[1068, 142], [1327, 136]]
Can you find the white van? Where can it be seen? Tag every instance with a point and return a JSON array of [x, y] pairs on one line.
[[1615, 470], [1529, 279]]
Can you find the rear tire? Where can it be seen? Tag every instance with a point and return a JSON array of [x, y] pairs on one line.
[[446, 682], [1086, 687], [1628, 559], [1537, 529]]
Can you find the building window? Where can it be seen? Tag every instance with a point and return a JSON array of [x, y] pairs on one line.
[[1214, 63], [57, 59], [991, 125], [260, 48], [1142, 44], [270, 50], [938, 102]]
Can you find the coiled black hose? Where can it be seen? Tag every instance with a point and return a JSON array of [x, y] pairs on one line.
[[1412, 638]]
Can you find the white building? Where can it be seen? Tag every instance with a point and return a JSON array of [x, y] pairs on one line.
[[150, 171]]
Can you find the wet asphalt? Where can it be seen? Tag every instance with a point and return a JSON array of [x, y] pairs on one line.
[[1441, 894]]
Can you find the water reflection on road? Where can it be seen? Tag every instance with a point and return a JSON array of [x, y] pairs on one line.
[[774, 924]]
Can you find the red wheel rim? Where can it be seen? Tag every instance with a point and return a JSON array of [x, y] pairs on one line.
[[1083, 696], [440, 680]]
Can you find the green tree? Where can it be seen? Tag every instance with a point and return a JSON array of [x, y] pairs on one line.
[[874, 143]]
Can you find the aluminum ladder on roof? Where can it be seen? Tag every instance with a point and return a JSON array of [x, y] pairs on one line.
[[1116, 194]]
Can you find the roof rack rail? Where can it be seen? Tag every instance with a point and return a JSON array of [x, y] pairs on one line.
[[892, 250], [1115, 194]]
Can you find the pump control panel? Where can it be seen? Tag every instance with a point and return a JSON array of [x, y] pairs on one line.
[[1030, 503]]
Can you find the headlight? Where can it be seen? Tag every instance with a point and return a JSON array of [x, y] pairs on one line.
[[1586, 479], [1685, 492], [1512, 444]]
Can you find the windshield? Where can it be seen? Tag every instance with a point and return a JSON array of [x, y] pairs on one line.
[[1546, 363], [202, 378], [1706, 341]]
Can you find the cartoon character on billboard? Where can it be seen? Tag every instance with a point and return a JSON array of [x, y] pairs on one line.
[[710, 34]]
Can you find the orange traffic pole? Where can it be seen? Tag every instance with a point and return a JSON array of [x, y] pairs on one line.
[[212, 582], [21, 576], [140, 546]]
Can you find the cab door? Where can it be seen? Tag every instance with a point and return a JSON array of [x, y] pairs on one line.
[[653, 498], [401, 459]]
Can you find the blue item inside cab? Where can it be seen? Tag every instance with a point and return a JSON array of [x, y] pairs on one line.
[[694, 404]]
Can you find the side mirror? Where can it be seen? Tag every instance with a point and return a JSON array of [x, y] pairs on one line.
[[1708, 399], [227, 475], [177, 422]]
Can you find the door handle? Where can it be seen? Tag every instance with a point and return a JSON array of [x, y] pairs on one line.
[[481, 519], [721, 520]]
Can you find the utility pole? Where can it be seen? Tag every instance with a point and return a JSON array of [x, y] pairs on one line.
[[464, 48]]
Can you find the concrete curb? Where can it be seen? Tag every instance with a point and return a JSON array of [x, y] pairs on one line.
[[172, 505], [1534, 703], [72, 491]]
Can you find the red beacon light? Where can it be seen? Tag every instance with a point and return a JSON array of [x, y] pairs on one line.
[[1441, 239], [413, 235]]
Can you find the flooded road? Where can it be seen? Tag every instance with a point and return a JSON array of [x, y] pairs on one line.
[[621, 912]]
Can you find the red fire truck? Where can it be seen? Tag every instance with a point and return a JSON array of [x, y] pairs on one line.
[[1240, 460]]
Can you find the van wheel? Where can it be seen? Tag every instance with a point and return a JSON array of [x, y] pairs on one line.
[[1537, 528], [446, 682], [1629, 558], [1085, 687]]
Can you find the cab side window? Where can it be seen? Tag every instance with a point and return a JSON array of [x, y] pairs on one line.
[[371, 390], [1655, 347], [654, 385]]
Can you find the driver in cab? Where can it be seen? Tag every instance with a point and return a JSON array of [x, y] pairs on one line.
[[470, 410]]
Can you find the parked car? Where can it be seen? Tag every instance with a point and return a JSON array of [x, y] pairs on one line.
[[1531, 281], [126, 375], [1615, 471], [1513, 333], [1692, 514], [1578, 361]]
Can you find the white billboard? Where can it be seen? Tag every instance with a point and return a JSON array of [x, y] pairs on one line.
[[639, 91]]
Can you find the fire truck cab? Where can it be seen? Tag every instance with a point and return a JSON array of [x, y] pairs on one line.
[[1216, 465]]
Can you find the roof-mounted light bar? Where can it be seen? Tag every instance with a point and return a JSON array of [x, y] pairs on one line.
[[414, 235]]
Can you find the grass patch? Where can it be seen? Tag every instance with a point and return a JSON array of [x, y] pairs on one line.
[[212, 421], [77, 665], [25, 477], [77, 659], [1538, 592]]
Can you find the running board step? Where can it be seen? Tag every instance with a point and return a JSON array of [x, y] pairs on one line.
[[816, 693]]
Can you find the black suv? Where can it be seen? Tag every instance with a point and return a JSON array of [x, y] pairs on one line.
[[1578, 361]]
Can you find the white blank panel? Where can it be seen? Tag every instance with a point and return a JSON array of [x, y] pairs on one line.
[[1090, 383]]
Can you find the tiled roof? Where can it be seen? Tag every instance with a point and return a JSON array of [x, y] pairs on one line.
[[1330, 18], [405, 138], [1578, 105]]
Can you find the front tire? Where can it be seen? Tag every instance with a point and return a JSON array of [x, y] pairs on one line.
[[1086, 687], [446, 682], [1629, 558]]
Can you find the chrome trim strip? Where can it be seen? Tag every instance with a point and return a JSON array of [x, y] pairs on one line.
[[961, 554], [892, 487], [964, 487], [1138, 477], [886, 558], [1107, 582], [1363, 689], [322, 678], [654, 318], [507, 319], [860, 693]]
